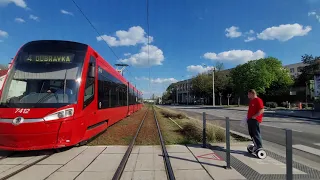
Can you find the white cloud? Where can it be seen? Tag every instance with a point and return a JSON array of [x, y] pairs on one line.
[[127, 54], [233, 32], [313, 13], [240, 56], [157, 80], [33, 17], [3, 33], [250, 32], [19, 3], [198, 68], [163, 80], [66, 12], [19, 20], [135, 35], [250, 39], [141, 78], [141, 59], [284, 32]]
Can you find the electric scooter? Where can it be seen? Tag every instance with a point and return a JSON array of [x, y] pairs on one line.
[[260, 153]]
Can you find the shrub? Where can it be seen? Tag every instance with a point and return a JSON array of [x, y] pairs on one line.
[[172, 115], [284, 104], [271, 104], [304, 106], [193, 132]]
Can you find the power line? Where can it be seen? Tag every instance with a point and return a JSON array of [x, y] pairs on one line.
[[94, 28]]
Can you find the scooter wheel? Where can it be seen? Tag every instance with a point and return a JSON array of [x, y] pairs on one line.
[[261, 154], [250, 148]]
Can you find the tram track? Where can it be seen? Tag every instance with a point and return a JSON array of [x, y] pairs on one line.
[[167, 164], [45, 155]]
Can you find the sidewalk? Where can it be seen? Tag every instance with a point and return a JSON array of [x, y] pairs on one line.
[[188, 162]]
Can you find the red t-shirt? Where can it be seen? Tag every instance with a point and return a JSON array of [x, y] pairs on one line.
[[255, 106]]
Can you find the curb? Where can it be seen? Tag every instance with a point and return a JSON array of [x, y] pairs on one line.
[[297, 116]]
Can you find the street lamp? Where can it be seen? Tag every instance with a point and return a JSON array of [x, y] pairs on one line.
[[213, 95], [187, 89]]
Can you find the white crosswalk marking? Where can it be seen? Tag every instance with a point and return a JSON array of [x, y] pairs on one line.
[[308, 149]]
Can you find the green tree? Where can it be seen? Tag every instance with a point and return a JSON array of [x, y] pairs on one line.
[[166, 96], [263, 75], [221, 82], [202, 84]]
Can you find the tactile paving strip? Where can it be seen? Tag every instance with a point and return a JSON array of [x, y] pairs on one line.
[[249, 173]]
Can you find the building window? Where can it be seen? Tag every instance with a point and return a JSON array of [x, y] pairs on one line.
[[299, 69], [291, 70]]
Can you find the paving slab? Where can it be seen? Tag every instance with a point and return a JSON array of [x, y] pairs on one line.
[[184, 161], [177, 149], [4, 168], [160, 175], [63, 175], [105, 162], [143, 175], [11, 170], [80, 162], [145, 162], [127, 175], [214, 164], [118, 150], [63, 157], [149, 162], [16, 160], [131, 164], [146, 149], [191, 175], [36, 172], [262, 166], [106, 175]]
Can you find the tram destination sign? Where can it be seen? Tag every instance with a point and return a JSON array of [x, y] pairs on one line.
[[50, 58]]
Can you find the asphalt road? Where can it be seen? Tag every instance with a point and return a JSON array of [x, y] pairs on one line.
[[272, 129]]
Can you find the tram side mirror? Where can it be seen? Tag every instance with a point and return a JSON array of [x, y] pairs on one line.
[[91, 72]]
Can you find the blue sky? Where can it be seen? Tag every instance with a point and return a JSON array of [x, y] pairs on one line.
[[184, 34]]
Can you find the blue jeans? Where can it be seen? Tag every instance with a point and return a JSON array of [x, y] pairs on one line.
[[254, 132]]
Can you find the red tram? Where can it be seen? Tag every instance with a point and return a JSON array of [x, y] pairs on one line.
[[61, 93]]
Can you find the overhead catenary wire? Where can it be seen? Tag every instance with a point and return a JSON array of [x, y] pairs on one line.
[[95, 28], [148, 33]]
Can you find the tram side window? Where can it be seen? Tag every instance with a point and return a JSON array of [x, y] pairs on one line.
[[111, 91], [89, 89]]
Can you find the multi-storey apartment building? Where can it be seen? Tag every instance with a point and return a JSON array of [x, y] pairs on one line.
[[294, 69]]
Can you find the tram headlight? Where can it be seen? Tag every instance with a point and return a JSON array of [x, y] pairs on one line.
[[60, 114]]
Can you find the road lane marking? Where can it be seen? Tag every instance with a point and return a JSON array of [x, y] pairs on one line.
[[307, 149], [317, 144]]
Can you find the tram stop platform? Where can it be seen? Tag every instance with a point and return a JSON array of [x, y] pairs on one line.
[[188, 162]]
